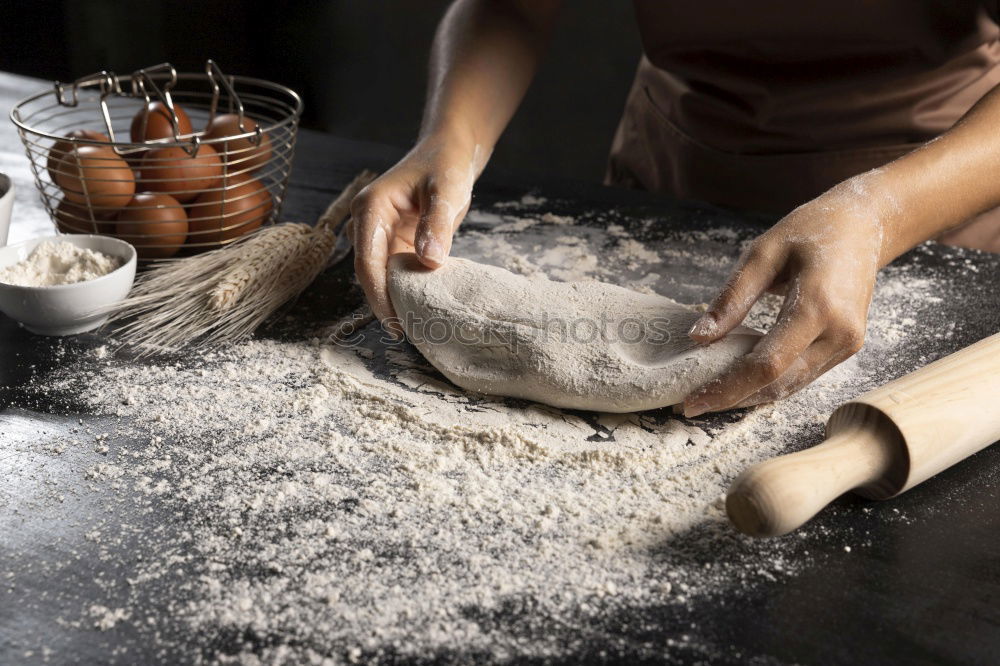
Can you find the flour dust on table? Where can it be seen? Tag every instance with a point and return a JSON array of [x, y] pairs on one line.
[[578, 345], [320, 503]]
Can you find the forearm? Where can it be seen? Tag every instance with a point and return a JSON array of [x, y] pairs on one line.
[[484, 56], [941, 184], [825, 256]]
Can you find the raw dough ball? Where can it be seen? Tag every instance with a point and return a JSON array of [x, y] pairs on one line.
[[579, 345]]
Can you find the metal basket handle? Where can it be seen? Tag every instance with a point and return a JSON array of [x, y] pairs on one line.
[[142, 80], [106, 82], [215, 75]]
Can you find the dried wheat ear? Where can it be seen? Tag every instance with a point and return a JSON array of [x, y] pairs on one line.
[[224, 295]]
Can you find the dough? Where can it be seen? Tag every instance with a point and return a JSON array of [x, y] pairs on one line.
[[579, 345]]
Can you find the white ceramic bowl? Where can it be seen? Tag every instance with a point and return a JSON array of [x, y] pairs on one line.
[[67, 309], [6, 204]]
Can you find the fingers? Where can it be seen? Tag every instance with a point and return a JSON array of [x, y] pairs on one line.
[[842, 336], [441, 210], [400, 243], [384, 222], [814, 362], [796, 329], [372, 232], [756, 271]]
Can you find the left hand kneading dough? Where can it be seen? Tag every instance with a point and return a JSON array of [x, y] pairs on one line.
[[578, 345]]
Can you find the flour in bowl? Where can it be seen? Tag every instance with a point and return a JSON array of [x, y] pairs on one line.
[[54, 263]]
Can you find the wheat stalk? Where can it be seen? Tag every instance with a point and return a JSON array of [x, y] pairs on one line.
[[224, 295], [261, 264], [247, 277]]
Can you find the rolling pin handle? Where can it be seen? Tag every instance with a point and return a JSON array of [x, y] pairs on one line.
[[778, 495]]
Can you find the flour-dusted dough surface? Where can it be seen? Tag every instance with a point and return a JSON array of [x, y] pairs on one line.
[[491, 331]]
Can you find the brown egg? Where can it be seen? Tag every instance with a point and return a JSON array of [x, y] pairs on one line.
[[241, 154], [172, 171], [97, 175], [215, 218], [57, 153], [158, 124], [154, 223], [74, 219]]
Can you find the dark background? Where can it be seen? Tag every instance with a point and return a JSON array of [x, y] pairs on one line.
[[360, 66]]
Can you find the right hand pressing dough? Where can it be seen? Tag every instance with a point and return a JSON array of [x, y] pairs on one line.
[[577, 345]]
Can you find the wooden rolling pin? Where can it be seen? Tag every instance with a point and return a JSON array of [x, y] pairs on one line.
[[881, 444]]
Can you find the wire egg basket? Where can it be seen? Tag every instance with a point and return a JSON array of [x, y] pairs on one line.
[[174, 163]]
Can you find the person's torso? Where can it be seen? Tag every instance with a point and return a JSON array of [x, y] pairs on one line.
[[778, 76]]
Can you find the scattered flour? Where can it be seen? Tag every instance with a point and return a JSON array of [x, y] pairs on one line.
[[320, 503], [394, 515], [55, 263], [106, 618]]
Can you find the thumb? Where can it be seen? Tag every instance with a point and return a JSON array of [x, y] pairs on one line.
[[441, 210], [753, 274]]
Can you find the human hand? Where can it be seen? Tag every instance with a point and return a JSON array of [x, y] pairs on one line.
[[413, 207], [824, 257]]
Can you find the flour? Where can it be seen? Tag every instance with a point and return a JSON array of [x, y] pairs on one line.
[[634, 254], [106, 618], [582, 345], [315, 501], [398, 521], [54, 263], [526, 201]]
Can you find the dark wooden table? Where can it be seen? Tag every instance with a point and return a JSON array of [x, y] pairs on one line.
[[924, 591]]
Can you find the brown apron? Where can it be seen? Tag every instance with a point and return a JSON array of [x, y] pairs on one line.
[[764, 105]]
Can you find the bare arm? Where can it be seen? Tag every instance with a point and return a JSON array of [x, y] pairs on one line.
[[484, 56], [825, 255]]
